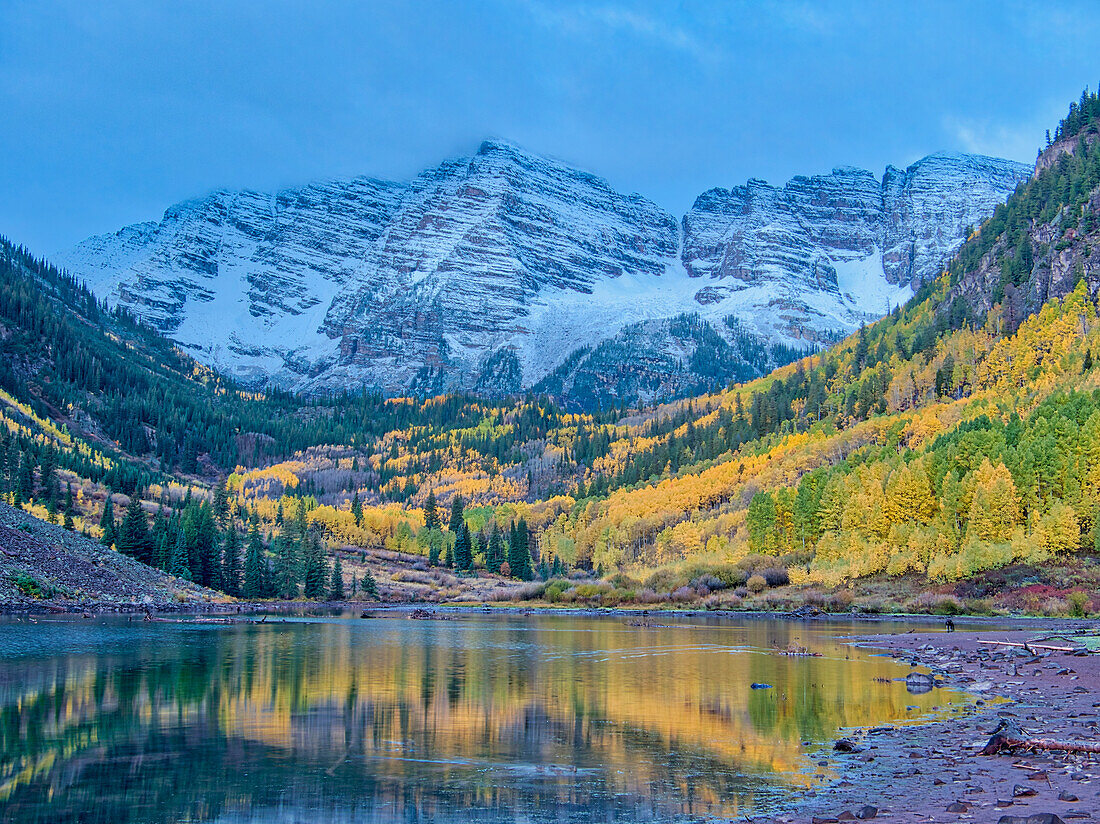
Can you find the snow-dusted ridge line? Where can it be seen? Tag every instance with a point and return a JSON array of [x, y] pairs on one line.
[[486, 272]]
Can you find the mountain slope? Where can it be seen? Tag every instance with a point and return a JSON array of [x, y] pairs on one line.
[[487, 273], [955, 436]]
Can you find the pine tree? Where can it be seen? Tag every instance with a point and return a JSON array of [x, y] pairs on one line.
[[24, 489], [253, 566], [231, 561], [203, 544], [368, 585], [519, 553], [357, 509], [268, 584], [463, 555], [456, 515], [221, 504], [107, 522], [354, 586], [315, 576], [133, 533], [68, 506], [180, 566], [431, 513], [286, 566], [336, 590], [494, 555], [48, 480]]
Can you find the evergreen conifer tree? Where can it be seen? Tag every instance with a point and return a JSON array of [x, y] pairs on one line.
[[180, 566], [221, 504], [231, 561], [455, 525], [431, 512], [357, 509], [336, 590], [519, 553], [254, 585], [107, 522], [463, 556], [159, 540], [286, 566], [368, 585], [24, 489], [68, 506], [316, 579], [133, 533], [494, 554]]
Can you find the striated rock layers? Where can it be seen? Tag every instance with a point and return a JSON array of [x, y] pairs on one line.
[[504, 270]]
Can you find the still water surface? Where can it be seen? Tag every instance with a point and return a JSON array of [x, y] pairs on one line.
[[483, 718]]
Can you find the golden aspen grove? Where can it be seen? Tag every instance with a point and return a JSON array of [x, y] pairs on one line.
[[922, 463]]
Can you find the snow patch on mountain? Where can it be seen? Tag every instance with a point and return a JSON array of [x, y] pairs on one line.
[[489, 272]]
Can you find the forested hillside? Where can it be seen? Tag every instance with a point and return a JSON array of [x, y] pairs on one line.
[[958, 435]]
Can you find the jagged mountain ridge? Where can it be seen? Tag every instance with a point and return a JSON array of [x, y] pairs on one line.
[[488, 272]]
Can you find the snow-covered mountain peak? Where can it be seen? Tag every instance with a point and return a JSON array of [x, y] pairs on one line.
[[494, 270]]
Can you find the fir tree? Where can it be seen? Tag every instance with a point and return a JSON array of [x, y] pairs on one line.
[[24, 489], [463, 555], [221, 504], [231, 561], [133, 533], [431, 513], [203, 544], [455, 525], [494, 554], [159, 540], [336, 590], [519, 553], [268, 584], [315, 574], [107, 522], [254, 586], [68, 506], [180, 566], [48, 480], [368, 585], [286, 566], [357, 509]]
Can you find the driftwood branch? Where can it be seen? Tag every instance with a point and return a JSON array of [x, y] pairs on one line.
[[1030, 646], [1009, 736]]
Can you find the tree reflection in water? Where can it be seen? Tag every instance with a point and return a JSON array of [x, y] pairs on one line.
[[486, 718]]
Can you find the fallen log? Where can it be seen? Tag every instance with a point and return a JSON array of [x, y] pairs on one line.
[[1009, 736], [1030, 646]]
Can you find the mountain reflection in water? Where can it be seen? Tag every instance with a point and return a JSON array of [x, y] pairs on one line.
[[482, 718]]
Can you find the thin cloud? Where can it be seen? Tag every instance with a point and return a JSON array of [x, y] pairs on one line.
[[588, 20], [1016, 142]]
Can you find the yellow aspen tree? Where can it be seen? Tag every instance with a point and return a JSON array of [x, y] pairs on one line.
[[994, 506]]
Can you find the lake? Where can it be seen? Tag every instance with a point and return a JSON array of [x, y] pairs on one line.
[[487, 718]]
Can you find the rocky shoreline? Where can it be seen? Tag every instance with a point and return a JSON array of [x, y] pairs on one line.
[[935, 772]]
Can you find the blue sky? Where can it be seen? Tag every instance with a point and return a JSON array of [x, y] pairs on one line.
[[111, 111]]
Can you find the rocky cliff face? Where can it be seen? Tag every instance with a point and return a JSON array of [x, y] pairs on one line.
[[488, 272], [835, 249], [1045, 242]]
